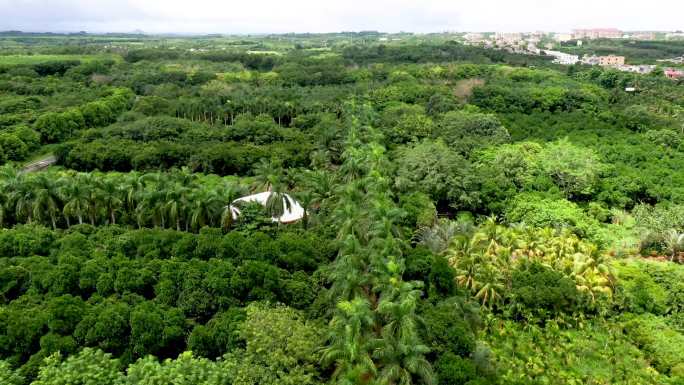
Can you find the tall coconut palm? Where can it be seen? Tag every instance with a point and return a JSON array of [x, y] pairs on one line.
[[23, 198], [205, 207], [270, 176], [442, 233], [132, 186], [229, 192], [152, 205], [177, 205], [76, 198], [89, 183], [398, 348], [111, 197], [47, 202], [3, 207], [349, 344]]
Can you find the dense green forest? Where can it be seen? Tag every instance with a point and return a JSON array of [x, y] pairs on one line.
[[472, 216]]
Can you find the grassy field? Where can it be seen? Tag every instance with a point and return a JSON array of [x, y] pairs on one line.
[[35, 59]]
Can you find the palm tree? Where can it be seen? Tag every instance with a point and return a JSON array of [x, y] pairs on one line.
[[152, 204], [47, 202], [177, 205], [306, 199], [205, 207], [76, 198], [10, 179], [111, 196], [229, 192], [399, 349], [674, 242], [269, 175], [442, 233], [23, 197], [132, 186], [3, 207], [89, 184], [349, 345]]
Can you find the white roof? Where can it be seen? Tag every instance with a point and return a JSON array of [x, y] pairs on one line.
[[292, 212]]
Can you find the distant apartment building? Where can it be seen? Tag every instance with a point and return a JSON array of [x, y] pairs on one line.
[[597, 33], [674, 74], [474, 37], [562, 37], [674, 36], [532, 48], [592, 60], [637, 69], [562, 57], [611, 60], [643, 36], [508, 37]]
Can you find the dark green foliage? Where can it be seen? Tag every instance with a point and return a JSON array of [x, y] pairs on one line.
[[465, 132], [450, 327], [156, 330], [538, 292], [55, 67], [454, 370], [219, 336]]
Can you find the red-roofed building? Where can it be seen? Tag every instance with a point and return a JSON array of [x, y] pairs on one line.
[[672, 73]]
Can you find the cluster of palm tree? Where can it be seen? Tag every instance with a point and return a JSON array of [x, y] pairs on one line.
[[374, 337], [485, 256], [177, 199]]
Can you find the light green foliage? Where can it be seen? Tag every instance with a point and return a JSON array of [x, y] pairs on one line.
[[403, 123], [593, 355], [8, 376], [538, 211], [281, 347], [665, 137], [185, 370], [575, 170], [56, 127], [487, 259], [505, 170], [651, 287], [35, 59], [89, 367], [433, 168], [655, 224], [466, 131], [663, 345]]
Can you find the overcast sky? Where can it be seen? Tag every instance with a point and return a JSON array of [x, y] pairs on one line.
[[278, 16]]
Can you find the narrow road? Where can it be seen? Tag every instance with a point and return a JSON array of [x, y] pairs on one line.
[[40, 164]]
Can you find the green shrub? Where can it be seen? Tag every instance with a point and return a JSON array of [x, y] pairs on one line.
[[663, 345], [454, 370], [541, 292], [540, 211]]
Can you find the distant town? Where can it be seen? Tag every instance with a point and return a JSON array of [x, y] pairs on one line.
[[552, 43]]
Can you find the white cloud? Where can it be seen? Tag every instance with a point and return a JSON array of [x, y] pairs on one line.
[[251, 16]]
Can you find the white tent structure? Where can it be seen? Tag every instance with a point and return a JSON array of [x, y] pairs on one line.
[[293, 211]]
